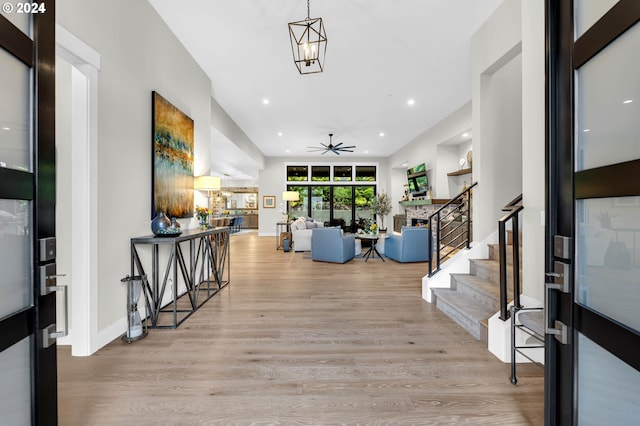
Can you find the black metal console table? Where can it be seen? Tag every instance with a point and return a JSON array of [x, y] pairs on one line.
[[203, 273]]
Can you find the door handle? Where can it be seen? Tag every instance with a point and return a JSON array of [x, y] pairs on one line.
[[559, 330], [50, 333], [560, 273]]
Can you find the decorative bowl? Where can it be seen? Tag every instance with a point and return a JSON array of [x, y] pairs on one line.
[[168, 232]]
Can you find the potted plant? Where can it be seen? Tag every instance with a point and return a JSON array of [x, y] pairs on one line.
[[381, 206]]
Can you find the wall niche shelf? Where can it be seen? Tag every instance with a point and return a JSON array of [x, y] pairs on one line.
[[425, 202], [460, 172]]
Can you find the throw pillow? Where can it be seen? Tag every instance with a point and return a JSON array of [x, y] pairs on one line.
[[298, 225]]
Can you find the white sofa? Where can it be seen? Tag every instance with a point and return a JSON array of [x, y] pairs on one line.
[[301, 233]]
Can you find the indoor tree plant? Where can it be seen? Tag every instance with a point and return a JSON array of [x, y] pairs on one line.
[[381, 206]]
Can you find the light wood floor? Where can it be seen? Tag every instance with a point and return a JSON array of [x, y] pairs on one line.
[[297, 342]]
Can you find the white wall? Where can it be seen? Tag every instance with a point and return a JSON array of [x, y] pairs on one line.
[[424, 148], [497, 116], [512, 38], [449, 156], [533, 147], [139, 54], [225, 125]]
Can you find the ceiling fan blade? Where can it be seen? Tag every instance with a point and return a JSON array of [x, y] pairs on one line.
[[336, 149]]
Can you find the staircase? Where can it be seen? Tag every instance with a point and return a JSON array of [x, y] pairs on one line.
[[474, 297]]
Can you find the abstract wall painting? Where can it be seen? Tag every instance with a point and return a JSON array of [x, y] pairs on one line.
[[172, 160]]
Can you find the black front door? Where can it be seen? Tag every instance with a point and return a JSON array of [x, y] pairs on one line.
[[592, 371], [27, 202]]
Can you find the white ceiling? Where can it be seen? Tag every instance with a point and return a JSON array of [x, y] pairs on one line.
[[380, 54]]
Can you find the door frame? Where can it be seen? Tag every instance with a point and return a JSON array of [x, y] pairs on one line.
[[39, 186], [84, 336], [563, 57]]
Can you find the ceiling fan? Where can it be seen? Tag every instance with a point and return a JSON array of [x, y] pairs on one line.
[[336, 149]]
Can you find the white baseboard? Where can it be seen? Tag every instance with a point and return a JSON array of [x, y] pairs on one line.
[[110, 333]]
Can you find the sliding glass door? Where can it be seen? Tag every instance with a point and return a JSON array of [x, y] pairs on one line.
[[344, 205], [321, 203]]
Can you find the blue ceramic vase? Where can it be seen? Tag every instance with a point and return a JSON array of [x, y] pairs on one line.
[[161, 221]]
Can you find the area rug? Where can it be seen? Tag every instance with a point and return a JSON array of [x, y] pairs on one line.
[[358, 257]]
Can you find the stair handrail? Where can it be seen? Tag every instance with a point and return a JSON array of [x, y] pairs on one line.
[[463, 201], [513, 208]]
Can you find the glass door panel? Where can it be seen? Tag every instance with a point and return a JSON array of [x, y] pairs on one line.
[[607, 257], [608, 104], [22, 21], [321, 203], [15, 140], [342, 205], [587, 12], [15, 394], [298, 208], [15, 257], [363, 200], [608, 388]]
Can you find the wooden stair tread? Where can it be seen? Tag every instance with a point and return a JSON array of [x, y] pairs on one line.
[[474, 297], [482, 285], [464, 304]]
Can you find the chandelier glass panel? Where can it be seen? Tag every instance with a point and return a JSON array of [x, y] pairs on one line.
[[308, 44]]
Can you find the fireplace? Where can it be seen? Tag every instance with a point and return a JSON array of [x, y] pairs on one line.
[[419, 221]]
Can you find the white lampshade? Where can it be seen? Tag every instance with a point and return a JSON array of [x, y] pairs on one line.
[[207, 183], [290, 196]]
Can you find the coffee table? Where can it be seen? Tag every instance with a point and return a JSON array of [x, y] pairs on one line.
[[373, 238]]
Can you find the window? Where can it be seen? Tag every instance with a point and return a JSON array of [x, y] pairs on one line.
[[342, 173], [337, 173], [320, 173], [297, 173], [366, 173]]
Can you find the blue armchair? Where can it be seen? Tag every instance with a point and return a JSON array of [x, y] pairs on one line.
[[329, 245], [413, 245]]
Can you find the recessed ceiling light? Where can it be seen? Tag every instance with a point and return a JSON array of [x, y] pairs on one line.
[[6, 128], [405, 164], [265, 101], [586, 130], [366, 152], [465, 135], [279, 133], [411, 102], [381, 134], [628, 101], [288, 151]]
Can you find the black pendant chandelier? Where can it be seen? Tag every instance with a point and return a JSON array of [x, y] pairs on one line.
[[308, 44]]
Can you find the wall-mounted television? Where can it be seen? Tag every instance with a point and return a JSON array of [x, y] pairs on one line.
[[417, 180]]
